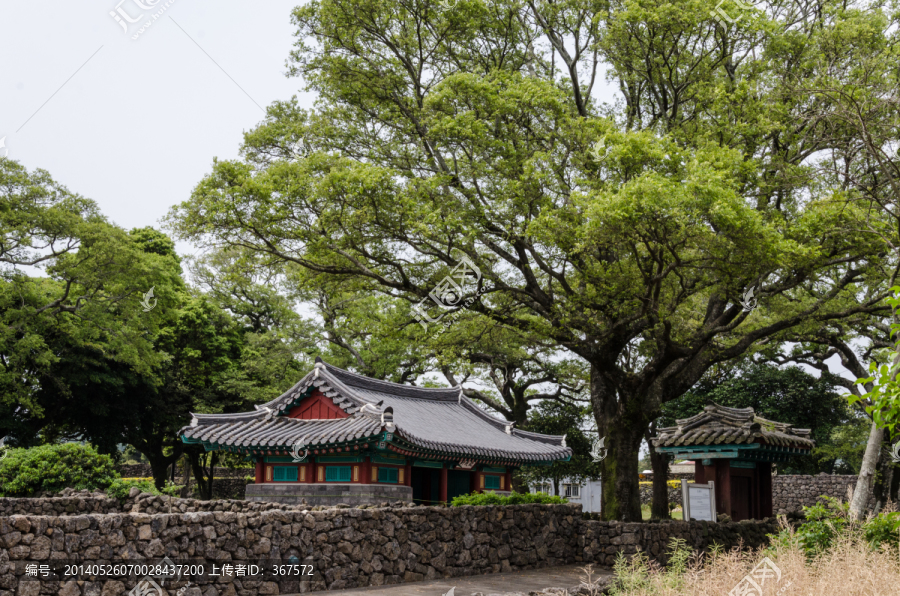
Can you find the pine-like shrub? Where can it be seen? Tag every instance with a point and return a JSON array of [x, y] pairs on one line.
[[51, 468]]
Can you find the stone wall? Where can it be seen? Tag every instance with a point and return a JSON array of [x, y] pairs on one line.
[[600, 542], [329, 494], [83, 503], [647, 494], [346, 547], [792, 493]]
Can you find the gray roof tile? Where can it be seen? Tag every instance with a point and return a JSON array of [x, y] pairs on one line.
[[718, 425], [441, 420]]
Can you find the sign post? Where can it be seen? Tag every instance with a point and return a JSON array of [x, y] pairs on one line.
[[699, 501]]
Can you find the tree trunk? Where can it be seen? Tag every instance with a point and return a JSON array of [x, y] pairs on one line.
[[154, 450], [622, 422], [556, 486], [159, 468], [866, 473], [518, 486], [659, 463], [186, 477], [884, 477], [895, 487], [202, 476]]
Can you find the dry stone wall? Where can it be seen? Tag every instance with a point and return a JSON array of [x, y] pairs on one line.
[[792, 493], [345, 547], [600, 542], [82, 503]]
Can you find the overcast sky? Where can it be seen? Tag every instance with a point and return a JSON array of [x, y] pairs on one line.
[[135, 124]]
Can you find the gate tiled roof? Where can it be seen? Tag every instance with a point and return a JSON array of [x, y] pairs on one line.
[[719, 425]]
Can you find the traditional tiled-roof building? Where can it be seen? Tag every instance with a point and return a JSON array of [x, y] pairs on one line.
[[735, 449], [337, 436]]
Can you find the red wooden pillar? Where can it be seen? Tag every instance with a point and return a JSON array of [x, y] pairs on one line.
[[508, 481], [443, 497], [259, 471], [473, 481], [755, 511], [765, 490], [408, 474], [365, 470], [699, 472], [723, 486]]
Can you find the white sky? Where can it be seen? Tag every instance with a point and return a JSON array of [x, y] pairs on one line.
[[137, 127]]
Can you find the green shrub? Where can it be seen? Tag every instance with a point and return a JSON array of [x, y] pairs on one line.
[[120, 488], [51, 468], [638, 575], [492, 498], [829, 520], [883, 529]]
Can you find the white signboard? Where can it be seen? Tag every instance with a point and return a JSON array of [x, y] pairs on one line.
[[699, 501]]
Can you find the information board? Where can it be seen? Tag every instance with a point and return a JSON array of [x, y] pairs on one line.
[[699, 501]]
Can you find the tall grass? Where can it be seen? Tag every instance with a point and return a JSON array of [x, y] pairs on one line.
[[850, 566]]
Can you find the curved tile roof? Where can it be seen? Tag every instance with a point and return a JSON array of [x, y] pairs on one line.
[[719, 425], [439, 420]]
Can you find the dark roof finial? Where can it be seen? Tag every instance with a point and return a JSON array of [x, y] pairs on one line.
[[319, 360]]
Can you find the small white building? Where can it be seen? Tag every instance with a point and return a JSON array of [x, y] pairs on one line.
[[587, 493]]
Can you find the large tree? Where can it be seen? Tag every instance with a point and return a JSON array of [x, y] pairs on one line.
[[855, 94], [626, 234], [66, 272]]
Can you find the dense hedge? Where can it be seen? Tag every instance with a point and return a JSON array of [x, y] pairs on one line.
[[492, 498], [51, 468]]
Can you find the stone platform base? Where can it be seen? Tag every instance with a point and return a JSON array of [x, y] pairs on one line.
[[328, 494]]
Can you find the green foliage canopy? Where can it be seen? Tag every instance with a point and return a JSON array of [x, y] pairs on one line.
[[51, 468]]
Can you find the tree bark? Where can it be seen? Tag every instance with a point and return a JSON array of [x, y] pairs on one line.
[[159, 468], [884, 477], [659, 463], [202, 476], [186, 477], [517, 484], [895, 487], [866, 473], [622, 422], [869, 463]]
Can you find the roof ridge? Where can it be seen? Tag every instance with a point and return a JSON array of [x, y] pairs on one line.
[[390, 386]]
